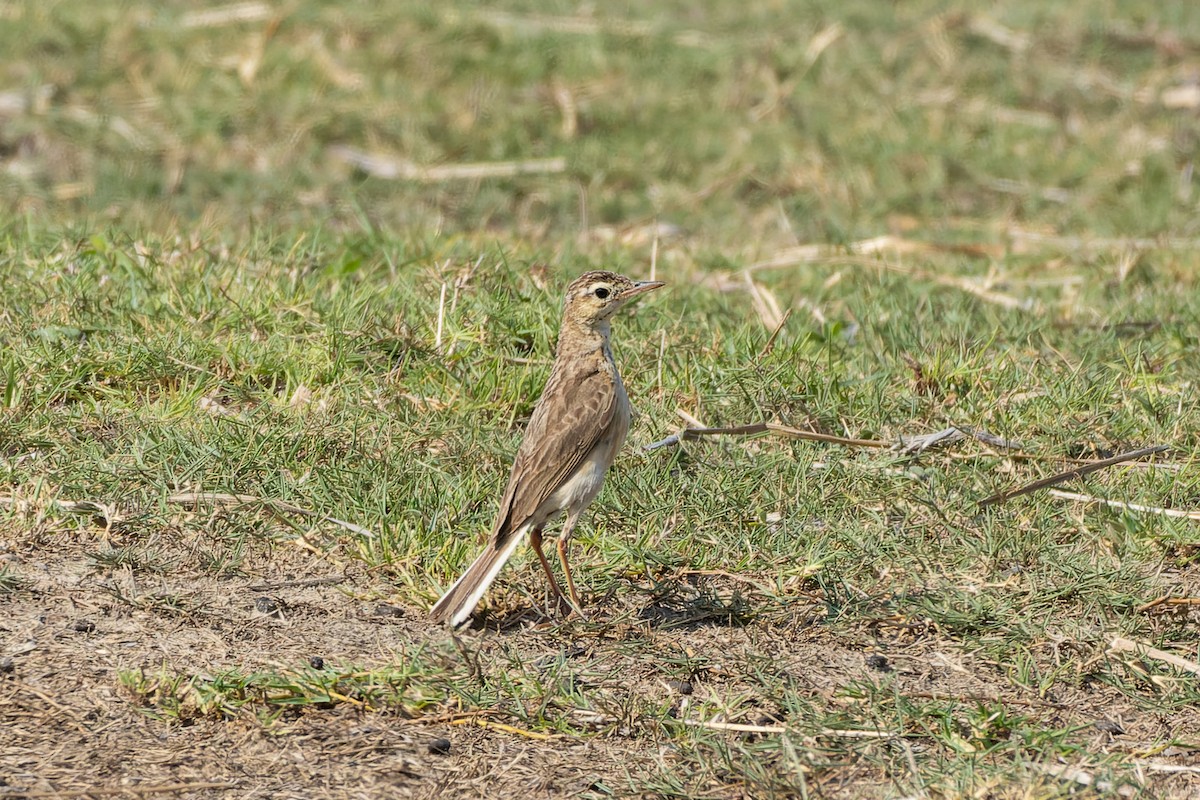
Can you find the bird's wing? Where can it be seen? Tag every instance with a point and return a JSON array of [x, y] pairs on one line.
[[576, 409]]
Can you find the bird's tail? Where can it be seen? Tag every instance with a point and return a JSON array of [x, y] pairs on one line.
[[459, 600]]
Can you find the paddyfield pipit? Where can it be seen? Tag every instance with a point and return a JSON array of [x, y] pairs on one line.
[[576, 430]]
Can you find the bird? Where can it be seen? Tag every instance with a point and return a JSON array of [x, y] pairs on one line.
[[576, 430]]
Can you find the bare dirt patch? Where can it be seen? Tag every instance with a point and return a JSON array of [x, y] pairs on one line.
[[71, 728]]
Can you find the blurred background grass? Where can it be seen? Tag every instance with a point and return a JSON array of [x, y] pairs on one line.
[[748, 127]]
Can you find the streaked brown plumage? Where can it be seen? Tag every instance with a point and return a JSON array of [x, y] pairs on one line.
[[576, 430]]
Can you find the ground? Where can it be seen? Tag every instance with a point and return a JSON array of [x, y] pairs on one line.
[[77, 729]]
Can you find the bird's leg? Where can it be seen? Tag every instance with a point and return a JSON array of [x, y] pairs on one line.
[[564, 542], [535, 540]]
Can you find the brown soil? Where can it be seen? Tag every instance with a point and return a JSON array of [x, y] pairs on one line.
[[68, 728]]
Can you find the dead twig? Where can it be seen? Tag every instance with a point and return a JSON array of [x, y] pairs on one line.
[[1071, 474], [720, 573], [270, 586], [159, 788], [1167, 600], [994, 440], [219, 498]]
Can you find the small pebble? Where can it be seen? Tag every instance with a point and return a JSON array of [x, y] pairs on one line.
[[83, 626], [265, 605], [1108, 726], [683, 687], [316, 662], [6, 666], [879, 662], [388, 610], [439, 747]]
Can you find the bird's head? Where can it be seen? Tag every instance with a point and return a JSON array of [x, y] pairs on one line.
[[594, 297]]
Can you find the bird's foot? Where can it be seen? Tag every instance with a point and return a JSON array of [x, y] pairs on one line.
[[569, 610]]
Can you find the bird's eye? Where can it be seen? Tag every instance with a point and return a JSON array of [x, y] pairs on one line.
[[602, 292]]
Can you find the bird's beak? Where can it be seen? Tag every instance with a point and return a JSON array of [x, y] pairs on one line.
[[641, 287]]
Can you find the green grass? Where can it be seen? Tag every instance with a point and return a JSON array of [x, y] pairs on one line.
[[199, 297], [118, 369], [207, 126]]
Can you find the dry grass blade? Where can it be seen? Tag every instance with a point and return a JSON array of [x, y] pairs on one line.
[[1087, 498], [66, 712], [988, 28], [989, 699], [73, 506], [1122, 645], [756, 428], [19, 102], [770, 345], [981, 291], [441, 321], [1169, 768], [765, 303], [1088, 245], [904, 445], [739, 727], [804, 254], [1071, 474], [819, 43], [226, 15], [218, 498], [387, 167], [538, 23], [922, 442], [500, 726]]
